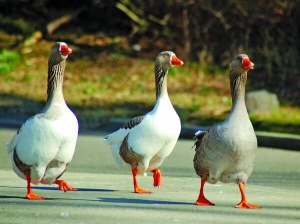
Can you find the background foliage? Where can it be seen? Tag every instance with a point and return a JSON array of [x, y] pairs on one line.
[[209, 33]]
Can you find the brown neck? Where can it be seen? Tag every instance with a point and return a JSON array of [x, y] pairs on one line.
[[237, 85], [55, 78], [161, 81]]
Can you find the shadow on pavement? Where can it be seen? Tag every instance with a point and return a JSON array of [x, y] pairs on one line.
[[56, 189], [141, 201]]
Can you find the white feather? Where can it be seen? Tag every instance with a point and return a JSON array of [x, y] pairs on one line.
[[41, 141]]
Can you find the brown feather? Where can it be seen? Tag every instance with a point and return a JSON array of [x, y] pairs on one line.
[[128, 155], [21, 166]]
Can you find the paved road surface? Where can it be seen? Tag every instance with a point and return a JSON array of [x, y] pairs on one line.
[[105, 191]]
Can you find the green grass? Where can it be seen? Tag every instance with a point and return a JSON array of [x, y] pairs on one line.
[[8, 61], [101, 85], [286, 119]]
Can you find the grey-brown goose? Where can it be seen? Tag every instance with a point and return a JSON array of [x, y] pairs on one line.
[[226, 151], [44, 145], [144, 142]]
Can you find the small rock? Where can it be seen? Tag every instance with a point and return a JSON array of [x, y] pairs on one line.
[[64, 214], [261, 100]]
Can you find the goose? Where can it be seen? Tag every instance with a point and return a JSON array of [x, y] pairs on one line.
[[226, 151], [44, 145], [145, 141]]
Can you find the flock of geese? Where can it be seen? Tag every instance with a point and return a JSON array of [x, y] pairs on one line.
[[44, 145]]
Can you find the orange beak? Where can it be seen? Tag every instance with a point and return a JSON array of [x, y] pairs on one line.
[[65, 50], [247, 64], [176, 61]]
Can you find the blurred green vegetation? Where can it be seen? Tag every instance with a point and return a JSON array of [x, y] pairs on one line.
[[8, 60], [110, 72]]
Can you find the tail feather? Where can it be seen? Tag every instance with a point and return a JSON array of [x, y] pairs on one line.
[[198, 136], [105, 138], [10, 146], [116, 137]]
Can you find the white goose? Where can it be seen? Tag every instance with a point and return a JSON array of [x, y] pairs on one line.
[[145, 141], [45, 143], [226, 151]]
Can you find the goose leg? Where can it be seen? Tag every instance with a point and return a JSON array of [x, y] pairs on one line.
[[30, 194], [244, 203], [62, 185], [157, 180], [135, 184], [202, 201]]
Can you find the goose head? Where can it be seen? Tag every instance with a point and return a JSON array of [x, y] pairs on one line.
[[168, 59], [60, 51], [241, 64]]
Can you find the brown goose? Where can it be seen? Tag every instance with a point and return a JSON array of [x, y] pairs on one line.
[[44, 145], [226, 151], [145, 141]]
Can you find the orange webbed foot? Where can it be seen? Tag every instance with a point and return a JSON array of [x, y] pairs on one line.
[[62, 185], [157, 179], [202, 201], [136, 187], [245, 204], [32, 196], [142, 191]]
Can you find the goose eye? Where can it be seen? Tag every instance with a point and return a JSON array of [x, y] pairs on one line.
[[240, 58], [167, 55]]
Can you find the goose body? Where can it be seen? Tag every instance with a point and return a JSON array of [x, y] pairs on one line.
[[155, 136], [45, 144], [226, 151], [144, 142], [229, 156]]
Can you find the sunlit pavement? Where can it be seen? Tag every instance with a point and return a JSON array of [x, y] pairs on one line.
[[105, 190]]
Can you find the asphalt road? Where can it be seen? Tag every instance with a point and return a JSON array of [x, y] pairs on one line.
[[105, 190]]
